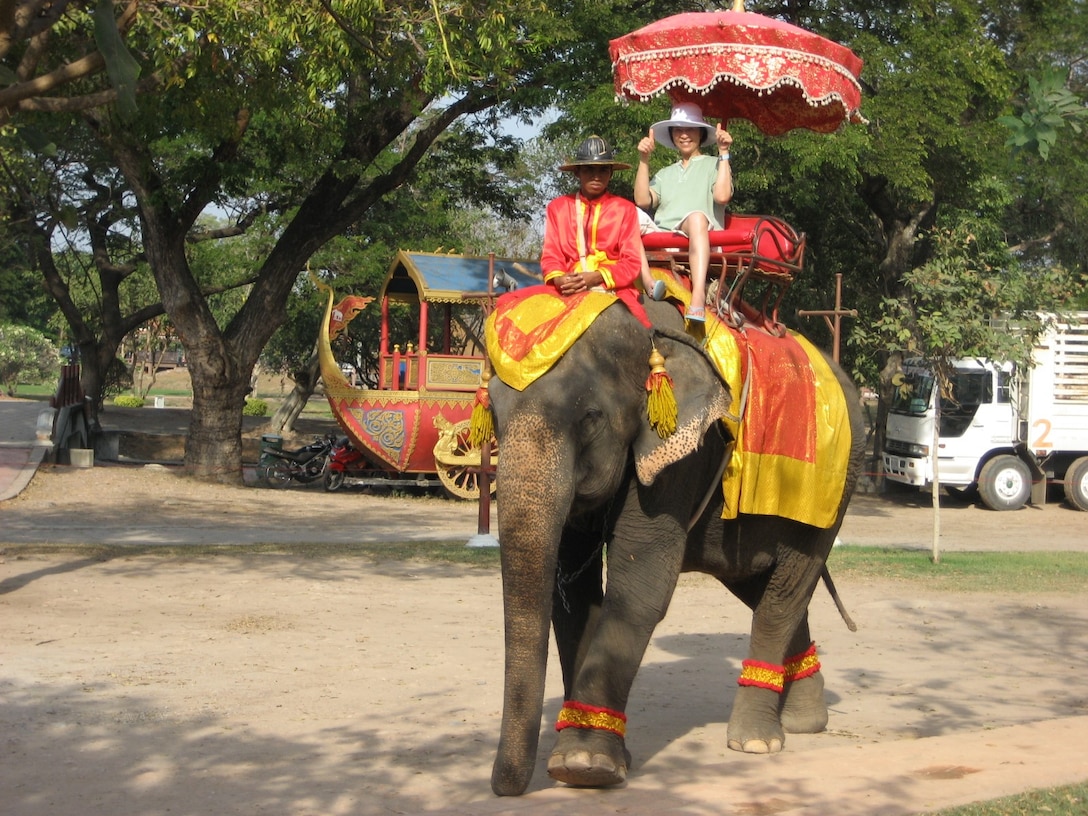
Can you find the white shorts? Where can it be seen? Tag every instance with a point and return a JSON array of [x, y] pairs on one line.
[[647, 224]]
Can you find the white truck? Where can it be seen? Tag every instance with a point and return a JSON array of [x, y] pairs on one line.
[[1009, 433]]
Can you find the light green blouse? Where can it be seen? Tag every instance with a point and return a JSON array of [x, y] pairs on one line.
[[684, 190]]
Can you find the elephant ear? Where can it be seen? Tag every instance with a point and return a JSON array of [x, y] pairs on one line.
[[702, 398]]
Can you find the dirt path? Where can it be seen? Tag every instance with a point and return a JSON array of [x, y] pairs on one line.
[[280, 685], [287, 685]]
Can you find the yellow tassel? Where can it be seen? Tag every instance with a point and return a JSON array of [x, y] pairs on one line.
[[481, 426], [661, 402]]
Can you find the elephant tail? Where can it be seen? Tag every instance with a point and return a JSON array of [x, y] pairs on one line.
[[826, 575]]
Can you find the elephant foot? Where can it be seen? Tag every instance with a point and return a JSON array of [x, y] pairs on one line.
[[754, 727], [804, 710], [584, 770], [756, 746], [589, 759]]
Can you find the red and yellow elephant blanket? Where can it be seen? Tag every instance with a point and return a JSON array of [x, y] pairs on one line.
[[793, 435]]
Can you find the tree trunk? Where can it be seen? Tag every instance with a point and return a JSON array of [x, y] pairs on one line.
[[885, 394], [305, 383], [213, 451]]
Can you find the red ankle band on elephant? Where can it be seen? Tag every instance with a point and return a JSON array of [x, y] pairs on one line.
[[803, 665], [580, 715], [762, 675], [774, 677]]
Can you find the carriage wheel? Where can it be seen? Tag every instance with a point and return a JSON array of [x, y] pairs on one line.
[[462, 481]]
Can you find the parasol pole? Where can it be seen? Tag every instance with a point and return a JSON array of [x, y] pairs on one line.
[[738, 6]]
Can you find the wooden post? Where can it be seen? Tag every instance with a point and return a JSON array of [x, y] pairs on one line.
[[483, 537], [833, 317]]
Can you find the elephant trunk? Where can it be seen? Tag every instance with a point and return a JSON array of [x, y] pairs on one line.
[[534, 475]]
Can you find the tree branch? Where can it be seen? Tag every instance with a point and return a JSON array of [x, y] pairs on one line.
[[202, 192], [1042, 240]]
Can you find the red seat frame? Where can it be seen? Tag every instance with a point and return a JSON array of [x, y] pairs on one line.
[[750, 247]]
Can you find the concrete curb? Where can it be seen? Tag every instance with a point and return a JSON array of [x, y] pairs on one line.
[[17, 468]]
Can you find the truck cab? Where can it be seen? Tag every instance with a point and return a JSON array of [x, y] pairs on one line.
[[979, 419], [1010, 433]]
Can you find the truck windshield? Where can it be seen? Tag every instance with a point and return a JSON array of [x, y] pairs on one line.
[[912, 396], [970, 389]]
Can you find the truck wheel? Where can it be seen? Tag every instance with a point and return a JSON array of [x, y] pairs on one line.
[[1076, 484], [1004, 483]]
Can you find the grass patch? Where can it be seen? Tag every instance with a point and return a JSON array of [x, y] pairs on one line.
[[1009, 573], [1014, 573], [1068, 800], [446, 552], [24, 391]]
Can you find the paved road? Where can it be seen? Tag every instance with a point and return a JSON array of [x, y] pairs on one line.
[[900, 519], [20, 450]]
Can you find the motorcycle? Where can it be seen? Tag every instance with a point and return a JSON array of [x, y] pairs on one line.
[[345, 462], [278, 467]]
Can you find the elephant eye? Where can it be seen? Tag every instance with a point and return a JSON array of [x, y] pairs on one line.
[[591, 424]]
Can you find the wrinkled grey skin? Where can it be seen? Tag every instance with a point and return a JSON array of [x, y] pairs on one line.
[[572, 443]]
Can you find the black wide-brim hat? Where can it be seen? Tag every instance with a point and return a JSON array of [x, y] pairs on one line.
[[594, 152]]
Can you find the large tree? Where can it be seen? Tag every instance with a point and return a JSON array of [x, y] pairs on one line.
[[300, 119], [301, 116], [936, 155]]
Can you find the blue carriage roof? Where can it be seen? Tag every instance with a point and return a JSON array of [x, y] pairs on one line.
[[438, 278]]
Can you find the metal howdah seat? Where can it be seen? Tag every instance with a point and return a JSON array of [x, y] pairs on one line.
[[753, 262]]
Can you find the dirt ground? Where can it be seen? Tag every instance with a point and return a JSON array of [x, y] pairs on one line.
[[282, 684]]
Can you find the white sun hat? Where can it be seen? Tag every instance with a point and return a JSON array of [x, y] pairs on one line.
[[685, 114]]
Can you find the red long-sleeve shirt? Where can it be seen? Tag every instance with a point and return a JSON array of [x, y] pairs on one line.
[[613, 243]]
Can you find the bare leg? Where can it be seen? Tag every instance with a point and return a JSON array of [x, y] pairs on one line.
[[697, 228], [647, 278]]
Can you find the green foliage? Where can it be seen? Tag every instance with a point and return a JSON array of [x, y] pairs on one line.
[[959, 303], [128, 401], [118, 378], [1049, 107], [255, 407], [26, 355]]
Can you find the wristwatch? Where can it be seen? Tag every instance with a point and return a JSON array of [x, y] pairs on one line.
[[723, 157]]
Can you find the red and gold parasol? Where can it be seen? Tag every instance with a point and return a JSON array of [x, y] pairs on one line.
[[739, 65]]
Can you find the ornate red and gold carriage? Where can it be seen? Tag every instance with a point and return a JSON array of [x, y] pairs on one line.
[[413, 428]]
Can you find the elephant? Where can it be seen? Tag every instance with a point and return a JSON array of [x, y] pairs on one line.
[[581, 466]]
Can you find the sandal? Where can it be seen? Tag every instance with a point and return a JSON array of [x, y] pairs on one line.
[[696, 315], [658, 292]]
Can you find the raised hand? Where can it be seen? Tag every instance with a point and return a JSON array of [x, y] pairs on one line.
[[723, 138], [646, 145]]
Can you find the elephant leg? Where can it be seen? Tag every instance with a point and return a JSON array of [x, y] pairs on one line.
[[754, 724], [576, 601], [779, 601], [802, 707], [590, 750], [529, 557]]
